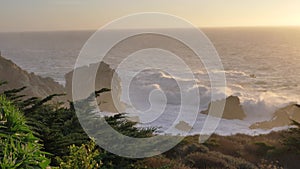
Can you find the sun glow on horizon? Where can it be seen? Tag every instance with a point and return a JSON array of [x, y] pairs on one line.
[[87, 15]]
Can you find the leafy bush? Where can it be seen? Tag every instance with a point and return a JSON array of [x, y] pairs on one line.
[[19, 148], [82, 157]]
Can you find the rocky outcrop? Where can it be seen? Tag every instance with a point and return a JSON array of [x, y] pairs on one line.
[[42, 87], [36, 86], [103, 80], [183, 126], [281, 117], [232, 110]]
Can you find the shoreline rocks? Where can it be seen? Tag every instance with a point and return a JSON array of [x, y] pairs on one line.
[[281, 118], [232, 110], [42, 87]]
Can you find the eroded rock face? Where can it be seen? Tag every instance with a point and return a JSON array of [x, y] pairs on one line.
[[232, 110], [36, 86], [103, 80], [281, 117]]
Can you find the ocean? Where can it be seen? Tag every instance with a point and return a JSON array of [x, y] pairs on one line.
[[262, 68]]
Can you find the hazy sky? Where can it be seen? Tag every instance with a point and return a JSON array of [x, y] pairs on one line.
[[31, 15]]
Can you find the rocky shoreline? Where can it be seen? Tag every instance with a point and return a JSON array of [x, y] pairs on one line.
[[42, 87]]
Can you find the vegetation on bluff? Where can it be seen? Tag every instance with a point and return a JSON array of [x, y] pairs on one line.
[[36, 134]]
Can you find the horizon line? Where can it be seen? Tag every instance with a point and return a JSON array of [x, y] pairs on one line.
[[203, 27]]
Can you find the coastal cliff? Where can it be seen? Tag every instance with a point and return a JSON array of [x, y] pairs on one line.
[[36, 86]]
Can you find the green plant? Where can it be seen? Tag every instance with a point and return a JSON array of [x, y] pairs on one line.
[[86, 156], [57, 126], [19, 148], [292, 138]]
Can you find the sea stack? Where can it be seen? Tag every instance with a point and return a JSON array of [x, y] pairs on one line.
[[103, 80], [232, 110]]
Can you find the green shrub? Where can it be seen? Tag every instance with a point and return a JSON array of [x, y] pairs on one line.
[[82, 157], [19, 148]]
